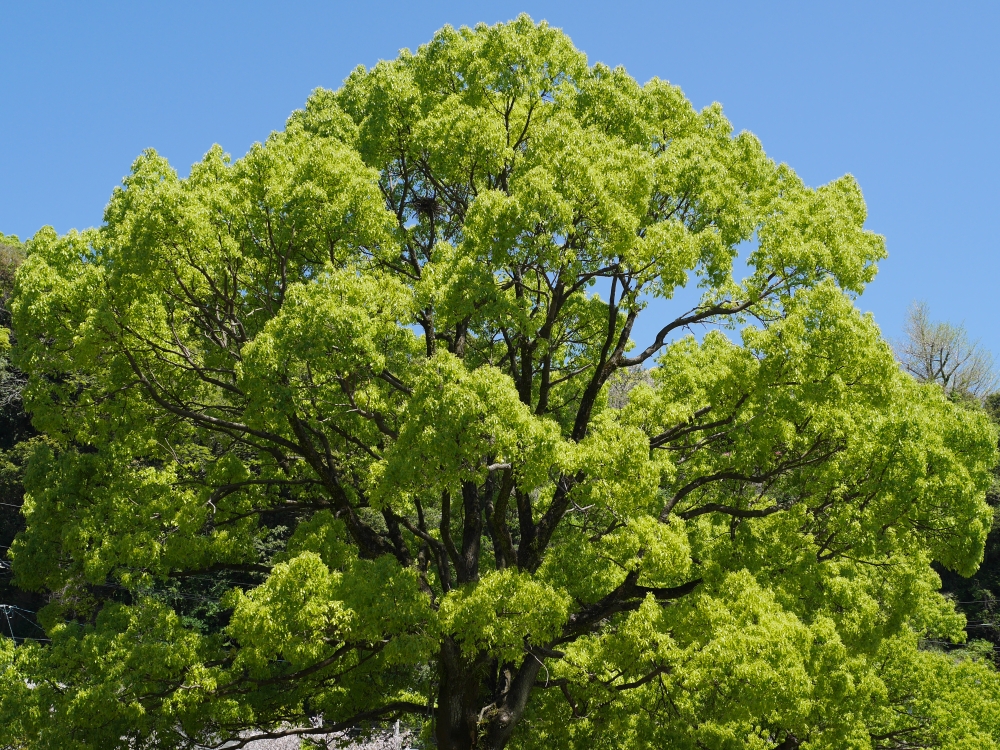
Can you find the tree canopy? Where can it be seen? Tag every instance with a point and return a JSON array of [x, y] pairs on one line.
[[328, 433]]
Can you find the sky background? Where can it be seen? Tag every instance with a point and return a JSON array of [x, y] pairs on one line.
[[903, 95]]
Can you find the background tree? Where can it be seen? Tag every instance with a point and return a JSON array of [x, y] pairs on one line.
[[359, 379], [11, 256], [939, 352]]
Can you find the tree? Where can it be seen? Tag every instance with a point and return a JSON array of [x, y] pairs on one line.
[[17, 607], [359, 380], [941, 353], [937, 352], [11, 256]]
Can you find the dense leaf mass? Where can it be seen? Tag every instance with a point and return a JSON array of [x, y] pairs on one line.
[[329, 435]]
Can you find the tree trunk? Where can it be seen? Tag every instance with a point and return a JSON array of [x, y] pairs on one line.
[[460, 699], [480, 702]]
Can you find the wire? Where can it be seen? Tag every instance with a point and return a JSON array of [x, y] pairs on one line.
[[9, 626], [7, 609], [33, 623]]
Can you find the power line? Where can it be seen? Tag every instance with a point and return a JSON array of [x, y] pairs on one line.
[[9, 626], [21, 612]]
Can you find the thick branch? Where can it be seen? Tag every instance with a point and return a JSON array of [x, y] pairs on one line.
[[687, 320], [472, 531], [627, 597], [729, 474], [687, 427], [390, 710], [204, 419], [369, 542]]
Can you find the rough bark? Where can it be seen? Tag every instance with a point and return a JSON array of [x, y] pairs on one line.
[[480, 702]]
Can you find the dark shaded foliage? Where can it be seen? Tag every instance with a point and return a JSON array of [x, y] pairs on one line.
[[16, 432]]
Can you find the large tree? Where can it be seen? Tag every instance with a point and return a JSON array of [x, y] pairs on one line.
[[359, 380]]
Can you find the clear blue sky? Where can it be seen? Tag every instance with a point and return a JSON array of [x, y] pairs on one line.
[[903, 95]]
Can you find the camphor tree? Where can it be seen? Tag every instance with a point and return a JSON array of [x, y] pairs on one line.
[[360, 376]]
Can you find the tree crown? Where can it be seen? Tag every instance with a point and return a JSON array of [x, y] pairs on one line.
[[361, 376]]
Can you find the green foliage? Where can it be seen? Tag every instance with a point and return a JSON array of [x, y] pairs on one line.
[[11, 256], [328, 433], [501, 611], [978, 596]]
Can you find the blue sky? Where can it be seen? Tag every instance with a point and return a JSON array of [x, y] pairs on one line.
[[903, 95]]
